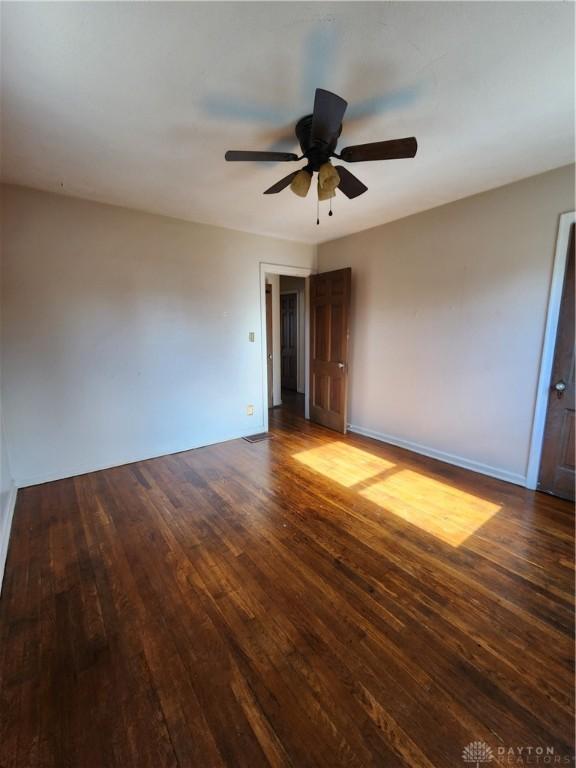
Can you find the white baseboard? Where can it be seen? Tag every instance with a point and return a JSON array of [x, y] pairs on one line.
[[5, 531], [449, 458], [84, 469]]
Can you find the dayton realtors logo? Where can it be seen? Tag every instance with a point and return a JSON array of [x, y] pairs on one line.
[[478, 753]]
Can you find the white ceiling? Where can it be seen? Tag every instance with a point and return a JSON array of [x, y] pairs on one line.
[[136, 103]]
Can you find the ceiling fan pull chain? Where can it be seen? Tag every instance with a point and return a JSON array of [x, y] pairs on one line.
[[317, 211], [330, 211]]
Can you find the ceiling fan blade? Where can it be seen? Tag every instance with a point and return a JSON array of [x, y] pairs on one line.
[[380, 150], [233, 154], [327, 116], [349, 184], [280, 185]]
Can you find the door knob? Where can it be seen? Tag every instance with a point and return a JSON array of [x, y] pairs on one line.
[[340, 365], [560, 386]]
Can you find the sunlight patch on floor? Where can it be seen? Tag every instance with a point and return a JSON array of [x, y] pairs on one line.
[[343, 463], [436, 507]]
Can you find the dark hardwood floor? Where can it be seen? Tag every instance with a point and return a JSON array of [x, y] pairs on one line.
[[310, 600]]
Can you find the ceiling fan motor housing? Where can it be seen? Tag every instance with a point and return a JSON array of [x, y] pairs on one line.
[[317, 152]]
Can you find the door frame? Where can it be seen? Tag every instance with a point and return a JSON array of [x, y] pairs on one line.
[[548, 348], [288, 271], [269, 345]]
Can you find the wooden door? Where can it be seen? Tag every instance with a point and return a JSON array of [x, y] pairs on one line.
[[557, 465], [289, 340], [269, 358], [329, 332]]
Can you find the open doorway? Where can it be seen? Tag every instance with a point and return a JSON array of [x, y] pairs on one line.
[[557, 472], [321, 342], [285, 335], [286, 342], [551, 458]]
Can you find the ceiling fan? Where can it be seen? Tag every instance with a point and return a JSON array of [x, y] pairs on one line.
[[318, 135]]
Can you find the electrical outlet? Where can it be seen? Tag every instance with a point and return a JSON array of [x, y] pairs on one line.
[[251, 336], [250, 410]]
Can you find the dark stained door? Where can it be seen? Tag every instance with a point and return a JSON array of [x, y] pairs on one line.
[[557, 465], [269, 358], [289, 340], [329, 332]]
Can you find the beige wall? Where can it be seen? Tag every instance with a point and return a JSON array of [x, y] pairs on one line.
[[448, 321], [126, 334]]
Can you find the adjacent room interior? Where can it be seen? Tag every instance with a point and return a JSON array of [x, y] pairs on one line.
[[287, 331], [287, 390]]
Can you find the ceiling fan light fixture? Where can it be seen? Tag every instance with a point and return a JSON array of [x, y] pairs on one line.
[[301, 183], [324, 193], [328, 180]]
